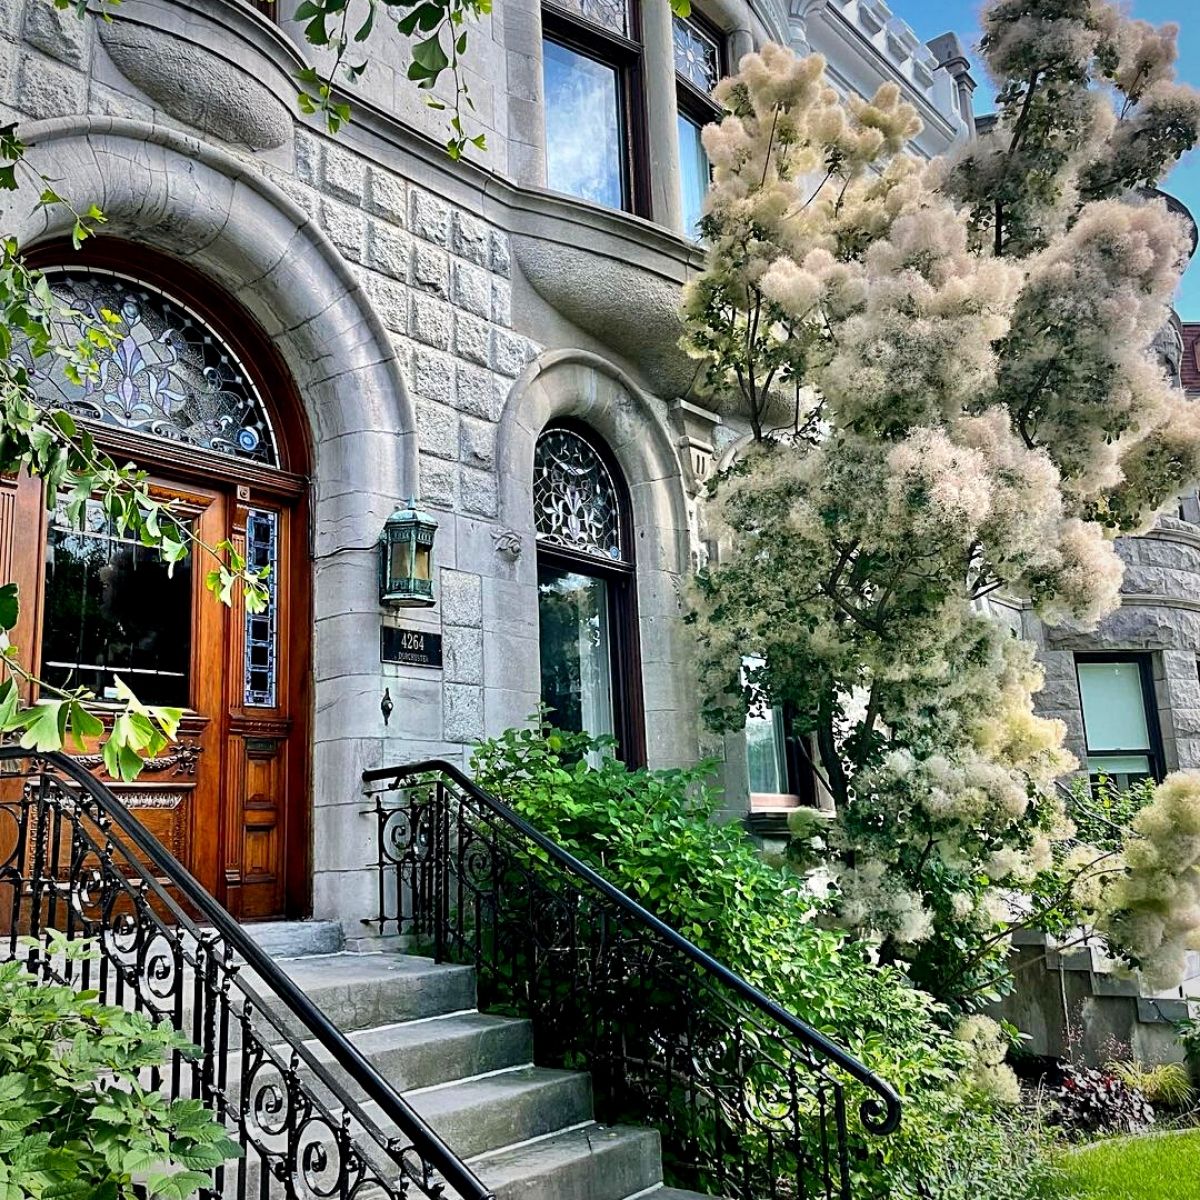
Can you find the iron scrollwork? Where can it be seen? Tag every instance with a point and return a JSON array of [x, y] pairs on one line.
[[78, 862], [751, 1102]]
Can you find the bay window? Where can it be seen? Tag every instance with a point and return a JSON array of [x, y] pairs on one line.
[[698, 68], [591, 62]]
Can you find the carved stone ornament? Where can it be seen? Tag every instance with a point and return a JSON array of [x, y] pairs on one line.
[[507, 543], [197, 87]]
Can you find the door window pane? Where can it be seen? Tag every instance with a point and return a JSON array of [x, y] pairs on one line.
[[262, 553], [583, 127], [576, 650], [693, 174], [113, 609]]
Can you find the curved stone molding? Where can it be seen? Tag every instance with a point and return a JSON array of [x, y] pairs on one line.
[[197, 87], [631, 312], [589, 389], [201, 204]]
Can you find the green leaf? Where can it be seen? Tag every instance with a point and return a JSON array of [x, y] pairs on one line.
[[45, 726], [10, 606], [429, 57], [178, 1186]]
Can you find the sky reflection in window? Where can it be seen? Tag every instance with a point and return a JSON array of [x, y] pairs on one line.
[[583, 129]]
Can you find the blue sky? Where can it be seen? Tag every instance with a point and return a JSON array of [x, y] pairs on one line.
[[931, 17]]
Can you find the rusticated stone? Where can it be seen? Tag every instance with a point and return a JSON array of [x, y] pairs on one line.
[[196, 87], [58, 32]]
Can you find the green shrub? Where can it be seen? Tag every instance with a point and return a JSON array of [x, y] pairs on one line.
[[1103, 813], [76, 1119], [1165, 1085], [654, 835]]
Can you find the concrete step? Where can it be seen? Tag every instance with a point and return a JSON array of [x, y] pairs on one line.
[[479, 1116], [494, 1111], [424, 1053], [364, 991], [670, 1193], [593, 1163], [297, 939]]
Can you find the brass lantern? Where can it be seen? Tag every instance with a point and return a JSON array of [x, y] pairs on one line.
[[406, 558]]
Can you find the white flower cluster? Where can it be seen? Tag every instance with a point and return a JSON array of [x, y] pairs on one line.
[[1152, 909], [958, 354]]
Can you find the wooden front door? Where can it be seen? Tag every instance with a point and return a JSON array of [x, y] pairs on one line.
[[195, 393], [228, 798]]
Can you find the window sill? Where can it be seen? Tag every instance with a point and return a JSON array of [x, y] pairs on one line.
[[773, 801]]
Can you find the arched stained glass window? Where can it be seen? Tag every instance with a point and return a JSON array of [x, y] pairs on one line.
[[575, 500], [167, 373], [587, 608]]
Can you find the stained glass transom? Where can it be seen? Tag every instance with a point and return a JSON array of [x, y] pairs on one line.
[[262, 550], [167, 373], [575, 501], [611, 14], [697, 56]]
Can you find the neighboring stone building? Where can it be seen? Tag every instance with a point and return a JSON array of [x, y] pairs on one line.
[[319, 328], [1129, 691]]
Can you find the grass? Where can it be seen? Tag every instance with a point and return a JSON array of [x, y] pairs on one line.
[[1164, 1166]]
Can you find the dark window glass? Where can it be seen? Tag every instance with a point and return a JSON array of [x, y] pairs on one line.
[[693, 174], [576, 650], [114, 608], [584, 128]]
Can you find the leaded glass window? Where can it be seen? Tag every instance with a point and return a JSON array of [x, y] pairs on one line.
[[262, 552], [575, 500], [167, 373], [697, 55], [613, 15]]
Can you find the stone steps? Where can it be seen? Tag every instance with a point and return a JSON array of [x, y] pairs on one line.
[[528, 1132]]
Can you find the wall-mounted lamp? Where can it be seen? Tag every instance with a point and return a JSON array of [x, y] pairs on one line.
[[406, 558]]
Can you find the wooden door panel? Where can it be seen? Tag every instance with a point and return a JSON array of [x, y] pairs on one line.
[[219, 798]]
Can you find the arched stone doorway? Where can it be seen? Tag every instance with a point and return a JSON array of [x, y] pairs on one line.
[[195, 394]]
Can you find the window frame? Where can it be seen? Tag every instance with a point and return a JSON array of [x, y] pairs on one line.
[[1154, 752], [625, 56], [625, 657], [801, 780], [696, 104], [692, 104]]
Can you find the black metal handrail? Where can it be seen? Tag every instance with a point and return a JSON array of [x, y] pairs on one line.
[[452, 858], [81, 863]]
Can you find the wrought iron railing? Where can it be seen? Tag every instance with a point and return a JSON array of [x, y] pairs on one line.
[[73, 859], [751, 1102]]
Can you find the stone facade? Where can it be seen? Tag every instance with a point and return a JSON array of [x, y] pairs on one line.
[[434, 316], [1159, 614]]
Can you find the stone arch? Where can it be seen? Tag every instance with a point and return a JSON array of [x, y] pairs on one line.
[[204, 206], [587, 388], [200, 204]]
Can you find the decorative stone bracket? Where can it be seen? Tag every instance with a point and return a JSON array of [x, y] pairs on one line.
[[694, 428]]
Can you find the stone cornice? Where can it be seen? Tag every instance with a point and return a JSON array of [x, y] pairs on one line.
[[386, 139]]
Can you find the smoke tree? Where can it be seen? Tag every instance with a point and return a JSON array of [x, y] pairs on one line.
[[946, 371]]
